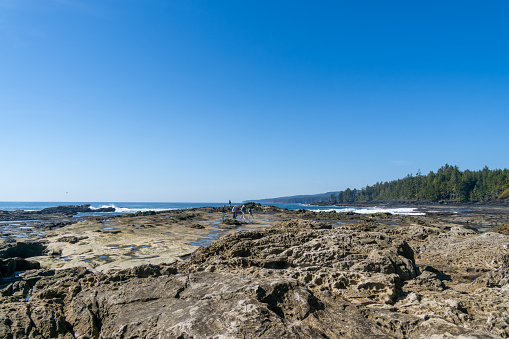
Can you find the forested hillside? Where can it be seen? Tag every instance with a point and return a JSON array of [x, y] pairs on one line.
[[296, 199], [449, 183]]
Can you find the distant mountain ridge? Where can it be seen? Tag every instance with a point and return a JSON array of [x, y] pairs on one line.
[[296, 199]]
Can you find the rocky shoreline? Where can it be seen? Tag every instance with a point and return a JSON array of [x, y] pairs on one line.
[[51, 212], [486, 206], [291, 274]]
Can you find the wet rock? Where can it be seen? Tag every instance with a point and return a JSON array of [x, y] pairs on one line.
[[197, 226], [11, 265], [22, 249], [51, 213], [71, 239], [111, 230], [231, 222], [74, 209]]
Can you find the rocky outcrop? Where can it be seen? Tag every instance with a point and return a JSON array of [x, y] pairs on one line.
[[21, 249], [299, 279], [51, 212], [359, 266], [73, 209]]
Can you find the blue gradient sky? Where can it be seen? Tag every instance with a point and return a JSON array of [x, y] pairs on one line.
[[214, 100]]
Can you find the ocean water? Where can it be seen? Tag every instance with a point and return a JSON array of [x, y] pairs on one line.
[[21, 229], [132, 207]]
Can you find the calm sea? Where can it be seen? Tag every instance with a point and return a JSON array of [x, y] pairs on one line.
[[132, 207]]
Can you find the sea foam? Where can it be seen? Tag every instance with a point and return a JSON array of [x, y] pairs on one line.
[[371, 210], [131, 210]]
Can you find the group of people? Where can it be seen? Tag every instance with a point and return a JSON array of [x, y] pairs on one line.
[[235, 211]]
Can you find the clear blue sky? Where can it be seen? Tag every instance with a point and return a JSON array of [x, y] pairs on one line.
[[206, 101]]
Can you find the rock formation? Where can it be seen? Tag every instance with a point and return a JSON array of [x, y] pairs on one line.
[[51, 212], [298, 279]]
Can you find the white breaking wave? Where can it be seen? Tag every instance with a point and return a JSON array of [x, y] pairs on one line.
[[131, 210], [371, 210], [103, 206]]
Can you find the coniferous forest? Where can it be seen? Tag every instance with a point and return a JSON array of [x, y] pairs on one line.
[[448, 183]]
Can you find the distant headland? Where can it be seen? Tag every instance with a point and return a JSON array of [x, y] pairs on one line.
[[448, 184]]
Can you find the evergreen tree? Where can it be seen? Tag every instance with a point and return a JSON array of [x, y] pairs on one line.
[[448, 183]]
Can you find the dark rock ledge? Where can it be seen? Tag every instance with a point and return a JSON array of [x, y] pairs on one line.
[[51, 212]]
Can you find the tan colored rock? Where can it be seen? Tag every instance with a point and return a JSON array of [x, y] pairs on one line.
[[298, 279]]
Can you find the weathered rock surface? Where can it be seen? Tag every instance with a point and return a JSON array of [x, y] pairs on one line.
[[73, 209], [51, 212], [298, 279]]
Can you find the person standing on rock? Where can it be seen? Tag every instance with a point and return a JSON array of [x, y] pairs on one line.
[[250, 213], [230, 204], [234, 209], [243, 211]]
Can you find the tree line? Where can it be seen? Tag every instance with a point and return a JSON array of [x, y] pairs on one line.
[[449, 183]]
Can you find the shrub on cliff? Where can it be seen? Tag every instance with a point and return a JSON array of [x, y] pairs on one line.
[[504, 194]]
